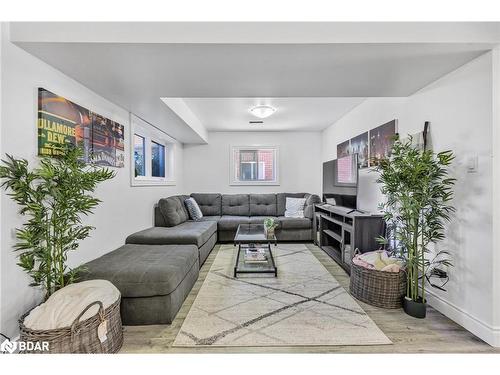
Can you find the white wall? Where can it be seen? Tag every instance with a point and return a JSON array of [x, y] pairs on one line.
[[206, 167], [459, 107], [124, 209], [1, 122], [496, 188]]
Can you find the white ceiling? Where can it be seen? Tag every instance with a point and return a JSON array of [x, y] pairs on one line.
[[130, 65], [293, 114]]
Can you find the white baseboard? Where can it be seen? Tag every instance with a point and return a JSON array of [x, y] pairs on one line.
[[484, 331]]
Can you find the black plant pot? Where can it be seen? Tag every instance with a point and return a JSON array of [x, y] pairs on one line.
[[416, 309]]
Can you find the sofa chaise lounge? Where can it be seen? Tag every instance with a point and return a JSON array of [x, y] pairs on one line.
[[157, 267]]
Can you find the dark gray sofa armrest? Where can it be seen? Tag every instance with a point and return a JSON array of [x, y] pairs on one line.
[[159, 221], [311, 200]]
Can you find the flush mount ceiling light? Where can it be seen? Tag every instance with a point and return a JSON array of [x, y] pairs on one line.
[[262, 111]]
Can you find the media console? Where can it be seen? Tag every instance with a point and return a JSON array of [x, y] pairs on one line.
[[340, 230]]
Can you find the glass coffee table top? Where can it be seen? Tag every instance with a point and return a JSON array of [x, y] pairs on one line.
[[254, 250], [248, 233]]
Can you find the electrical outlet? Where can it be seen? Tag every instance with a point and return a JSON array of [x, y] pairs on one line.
[[13, 233]]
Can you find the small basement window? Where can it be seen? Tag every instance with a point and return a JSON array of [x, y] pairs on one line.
[[254, 165]]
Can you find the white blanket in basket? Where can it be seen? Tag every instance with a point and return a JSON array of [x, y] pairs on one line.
[[64, 306]]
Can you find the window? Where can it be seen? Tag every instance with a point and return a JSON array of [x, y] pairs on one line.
[[254, 165], [139, 151], [157, 160], [153, 154]]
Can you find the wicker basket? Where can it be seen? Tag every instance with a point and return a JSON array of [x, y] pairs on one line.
[[378, 288], [80, 337]]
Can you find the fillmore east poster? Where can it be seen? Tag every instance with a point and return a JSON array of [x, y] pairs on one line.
[[62, 121]]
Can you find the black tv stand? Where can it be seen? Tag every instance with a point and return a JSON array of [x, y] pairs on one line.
[[339, 231]]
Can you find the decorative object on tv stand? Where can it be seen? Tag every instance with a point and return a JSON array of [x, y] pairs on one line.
[[54, 196], [418, 188], [61, 121], [269, 226]]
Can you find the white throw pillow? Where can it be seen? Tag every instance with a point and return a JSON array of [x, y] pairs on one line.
[[294, 207]]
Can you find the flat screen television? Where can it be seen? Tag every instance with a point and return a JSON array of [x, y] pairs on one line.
[[340, 181]]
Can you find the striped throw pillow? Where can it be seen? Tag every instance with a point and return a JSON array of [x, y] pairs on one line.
[[193, 209]]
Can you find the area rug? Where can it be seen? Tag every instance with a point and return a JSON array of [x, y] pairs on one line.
[[304, 305]]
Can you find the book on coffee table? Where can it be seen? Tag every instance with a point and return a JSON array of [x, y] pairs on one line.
[[255, 255]]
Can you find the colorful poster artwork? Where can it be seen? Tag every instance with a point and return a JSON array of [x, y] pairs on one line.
[[61, 121]]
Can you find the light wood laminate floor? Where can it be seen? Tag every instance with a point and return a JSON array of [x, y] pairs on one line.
[[434, 334]]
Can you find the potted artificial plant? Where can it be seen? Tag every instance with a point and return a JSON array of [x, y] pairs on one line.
[[418, 192], [54, 197], [269, 226]]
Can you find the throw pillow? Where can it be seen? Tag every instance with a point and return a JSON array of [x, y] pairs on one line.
[[294, 207], [193, 209]]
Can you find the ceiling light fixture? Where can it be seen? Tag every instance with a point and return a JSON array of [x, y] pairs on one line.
[[262, 111]]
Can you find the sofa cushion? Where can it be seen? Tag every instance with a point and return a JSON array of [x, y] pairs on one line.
[[193, 209], [295, 222], [144, 270], [228, 222], [210, 218], [173, 210], [210, 203], [281, 201], [189, 232], [263, 204], [235, 204]]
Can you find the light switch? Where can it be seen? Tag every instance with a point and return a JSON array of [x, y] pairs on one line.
[[472, 163]]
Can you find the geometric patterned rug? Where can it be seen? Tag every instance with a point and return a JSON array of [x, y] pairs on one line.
[[304, 305]]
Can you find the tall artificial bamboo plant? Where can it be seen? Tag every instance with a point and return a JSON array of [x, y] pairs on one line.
[[54, 197], [418, 192]]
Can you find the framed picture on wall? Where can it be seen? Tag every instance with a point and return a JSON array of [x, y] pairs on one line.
[[381, 141], [343, 149], [359, 145], [61, 121], [107, 142]]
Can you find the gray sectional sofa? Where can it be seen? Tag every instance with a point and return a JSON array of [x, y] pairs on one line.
[[157, 267], [154, 280], [231, 210]]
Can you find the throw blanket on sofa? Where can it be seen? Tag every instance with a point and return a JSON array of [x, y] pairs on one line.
[[63, 307]]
